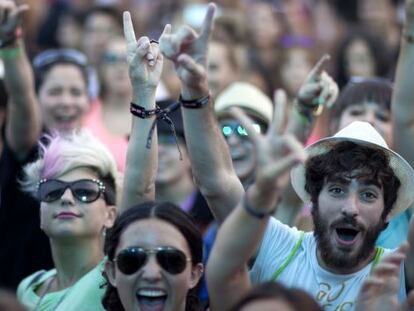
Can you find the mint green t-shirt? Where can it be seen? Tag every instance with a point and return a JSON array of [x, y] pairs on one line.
[[85, 295]]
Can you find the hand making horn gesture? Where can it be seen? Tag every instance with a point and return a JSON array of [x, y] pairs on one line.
[[188, 50], [10, 17], [144, 59], [276, 151], [319, 89]]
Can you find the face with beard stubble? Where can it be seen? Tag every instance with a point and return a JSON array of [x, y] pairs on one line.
[[348, 219]]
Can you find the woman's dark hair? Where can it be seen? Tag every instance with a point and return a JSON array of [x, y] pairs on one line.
[[352, 160], [297, 299], [359, 90], [379, 51], [153, 210]]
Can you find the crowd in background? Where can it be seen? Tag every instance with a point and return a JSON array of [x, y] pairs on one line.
[[82, 57]]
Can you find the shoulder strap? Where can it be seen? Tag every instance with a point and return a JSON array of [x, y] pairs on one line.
[[290, 257], [379, 251]]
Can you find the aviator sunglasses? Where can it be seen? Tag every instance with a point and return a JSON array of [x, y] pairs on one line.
[[131, 259], [84, 190]]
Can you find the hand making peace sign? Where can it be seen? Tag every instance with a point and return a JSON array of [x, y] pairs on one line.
[[277, 151]]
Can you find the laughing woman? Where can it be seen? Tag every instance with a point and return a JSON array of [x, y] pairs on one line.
[[74, 180], [154, 260]]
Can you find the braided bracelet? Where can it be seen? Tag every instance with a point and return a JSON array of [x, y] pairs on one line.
[[195, 103], [159, 113]]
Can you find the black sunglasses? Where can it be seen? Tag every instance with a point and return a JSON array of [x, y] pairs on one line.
[[84, 190], [131, 259]]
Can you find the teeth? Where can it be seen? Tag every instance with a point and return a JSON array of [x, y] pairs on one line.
[[151, 293]]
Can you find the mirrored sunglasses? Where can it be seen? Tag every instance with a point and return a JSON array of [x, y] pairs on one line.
[[229, 129]]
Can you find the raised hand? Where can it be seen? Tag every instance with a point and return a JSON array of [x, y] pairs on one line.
[[379, 291], [10, 17], [277, 151], [188, 50], [319, 89], [145, 61]]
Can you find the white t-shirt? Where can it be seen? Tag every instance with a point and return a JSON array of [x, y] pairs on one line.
[[333, 291]]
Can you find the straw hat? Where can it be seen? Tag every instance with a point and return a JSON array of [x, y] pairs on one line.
[[245, 96], [364, 134]]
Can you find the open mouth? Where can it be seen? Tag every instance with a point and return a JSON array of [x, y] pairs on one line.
[[347, 236], [151, 299]]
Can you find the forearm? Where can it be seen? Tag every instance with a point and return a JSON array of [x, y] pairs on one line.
[[240, 234], [210, 158], [141, 166], [23, 112], [403, 97]]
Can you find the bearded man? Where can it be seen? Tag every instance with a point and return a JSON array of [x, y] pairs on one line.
[[355, 184]]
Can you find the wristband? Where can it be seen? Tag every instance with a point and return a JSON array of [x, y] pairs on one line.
[[141, 112], [10, 53], [195, 103], [307, 111], [255, 213], [159, 113]]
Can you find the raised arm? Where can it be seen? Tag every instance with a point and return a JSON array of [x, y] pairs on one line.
[[23, 123], [145, 67], [209, 155], [403, 97], [243, 230], [318, 91]]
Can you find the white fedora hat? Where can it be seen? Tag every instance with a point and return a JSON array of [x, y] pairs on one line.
[[361, 133]]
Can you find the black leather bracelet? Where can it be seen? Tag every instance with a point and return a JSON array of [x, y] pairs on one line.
[[255, 213], [141, 112], [195, 103]]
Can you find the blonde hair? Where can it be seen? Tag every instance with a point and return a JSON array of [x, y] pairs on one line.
[[61, 153]]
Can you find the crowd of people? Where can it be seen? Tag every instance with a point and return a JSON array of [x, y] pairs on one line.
[[185, 155]]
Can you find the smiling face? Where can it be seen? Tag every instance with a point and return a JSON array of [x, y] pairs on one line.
[[152, 287], [67, 217], [242, 151], [63, 98], [348, 221]]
